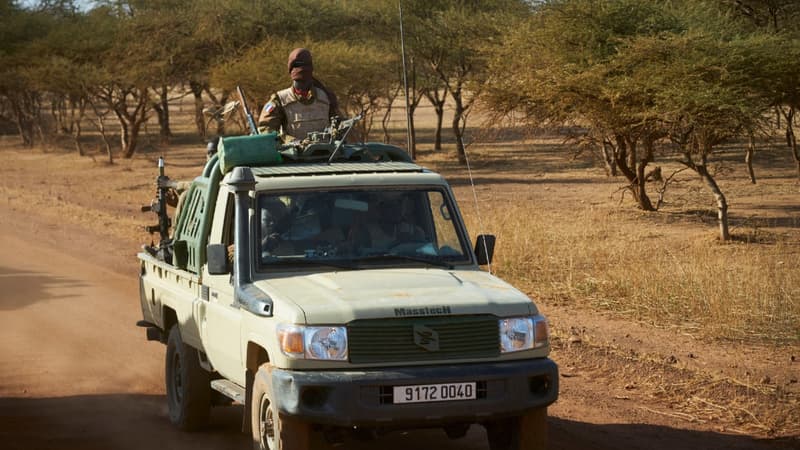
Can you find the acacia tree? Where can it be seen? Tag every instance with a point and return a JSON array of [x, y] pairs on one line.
[[67, 71], [775, 15], [120, 80], [222, 33], [702, 91], [20, 100], [779, 78], [450, 38], [657, 70], [560, 68]]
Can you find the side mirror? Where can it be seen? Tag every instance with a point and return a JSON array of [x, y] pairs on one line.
[[217, 255], [484, 248]]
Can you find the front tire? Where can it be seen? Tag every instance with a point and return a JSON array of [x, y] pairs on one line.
[[526, 432], [188, 385], [272, 430]]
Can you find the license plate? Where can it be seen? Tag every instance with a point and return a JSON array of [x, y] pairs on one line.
[[445, 392]]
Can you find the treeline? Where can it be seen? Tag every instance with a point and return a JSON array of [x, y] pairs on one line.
[[122, 61], [641, 77], [635, 76]]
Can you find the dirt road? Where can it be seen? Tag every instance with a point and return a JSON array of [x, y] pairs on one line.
[[76, 374]]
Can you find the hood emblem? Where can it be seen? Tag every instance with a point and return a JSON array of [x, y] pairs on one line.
[[426, 338]]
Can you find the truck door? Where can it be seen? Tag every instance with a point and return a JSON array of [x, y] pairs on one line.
[[221, 326]]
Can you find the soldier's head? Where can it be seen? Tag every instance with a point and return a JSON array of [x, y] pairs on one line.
[[301, 68]]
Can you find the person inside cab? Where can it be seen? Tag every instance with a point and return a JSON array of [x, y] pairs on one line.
[[388, 222]]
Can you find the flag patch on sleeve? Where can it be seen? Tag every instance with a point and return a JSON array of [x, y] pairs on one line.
[[269, 107]]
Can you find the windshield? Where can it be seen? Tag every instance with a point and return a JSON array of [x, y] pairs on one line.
[[358, 228]]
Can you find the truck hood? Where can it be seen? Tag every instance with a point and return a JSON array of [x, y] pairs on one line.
[[340, 297]]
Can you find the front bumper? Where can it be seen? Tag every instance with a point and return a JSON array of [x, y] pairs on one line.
[[364, 398]]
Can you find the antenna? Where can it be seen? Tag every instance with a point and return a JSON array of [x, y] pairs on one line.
[[411, 151], [477, 205]]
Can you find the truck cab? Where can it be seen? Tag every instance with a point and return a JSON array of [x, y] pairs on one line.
[[331, 294]]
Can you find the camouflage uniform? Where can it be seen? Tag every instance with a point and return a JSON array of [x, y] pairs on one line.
[[295, 115], [304, 107]]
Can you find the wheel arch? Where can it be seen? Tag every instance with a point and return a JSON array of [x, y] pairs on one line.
[[255, 356], [169, 318]]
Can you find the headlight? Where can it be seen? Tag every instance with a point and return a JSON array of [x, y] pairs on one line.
[[326, 343], [523, 333]]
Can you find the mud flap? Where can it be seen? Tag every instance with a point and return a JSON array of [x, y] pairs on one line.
[[249, 378]]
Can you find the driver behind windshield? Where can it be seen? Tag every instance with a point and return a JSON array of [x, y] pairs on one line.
[[388, 222], [304, 107]]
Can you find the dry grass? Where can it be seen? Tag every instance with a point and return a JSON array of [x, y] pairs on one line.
[[730, 290], [725, 404], [564, 237]]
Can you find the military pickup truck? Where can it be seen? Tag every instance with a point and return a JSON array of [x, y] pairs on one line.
[[333, 290]]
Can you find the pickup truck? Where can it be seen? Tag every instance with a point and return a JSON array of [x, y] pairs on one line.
[[333, 290]]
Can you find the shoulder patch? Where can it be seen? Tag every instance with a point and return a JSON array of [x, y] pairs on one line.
[[269, 107]]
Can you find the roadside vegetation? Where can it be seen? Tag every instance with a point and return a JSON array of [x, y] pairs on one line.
[[670, 118], [580, 248]]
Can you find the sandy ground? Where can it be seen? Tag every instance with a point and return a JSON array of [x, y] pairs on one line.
[[75, 373]]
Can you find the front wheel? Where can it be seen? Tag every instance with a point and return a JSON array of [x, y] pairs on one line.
[[188, 385], [526, 432], [272, 430]]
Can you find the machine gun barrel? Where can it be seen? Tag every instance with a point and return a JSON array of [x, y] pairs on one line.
[[159, 206], [250, 121], [345, 125], [163, 218]]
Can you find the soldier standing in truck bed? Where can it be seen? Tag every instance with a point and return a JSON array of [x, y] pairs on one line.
[[304, 107]]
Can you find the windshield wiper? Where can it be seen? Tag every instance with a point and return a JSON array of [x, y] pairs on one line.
[[275, 261], [419, 259]]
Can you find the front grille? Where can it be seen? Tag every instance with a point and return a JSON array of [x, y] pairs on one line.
[[392, 340]]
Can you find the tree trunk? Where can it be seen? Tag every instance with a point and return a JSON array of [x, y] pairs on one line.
[[21, 104], [438, 107], [137, 119], [609, 162], [199, 119], [162, 112], [133, 139], [722, 203], [130, 122], [640, 188], [631, 162], [437, 134], [635, 173], [413, 131], [791, 139], [75, 125], [101, 126], [58, 109], [793, 146], [702, 170], [458, 131], [124, 135], [748, 158], [385, 122]]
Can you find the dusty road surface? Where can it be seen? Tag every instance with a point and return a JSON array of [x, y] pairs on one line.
[[75, 373]]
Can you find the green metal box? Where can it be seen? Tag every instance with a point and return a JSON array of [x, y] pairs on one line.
[[253, 150]]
